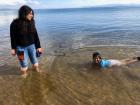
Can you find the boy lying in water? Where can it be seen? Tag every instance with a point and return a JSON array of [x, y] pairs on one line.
[[103, 63]]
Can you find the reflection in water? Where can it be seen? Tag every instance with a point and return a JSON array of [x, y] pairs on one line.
[[6, 19]]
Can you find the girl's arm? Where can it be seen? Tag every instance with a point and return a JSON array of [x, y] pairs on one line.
[[12, 37]]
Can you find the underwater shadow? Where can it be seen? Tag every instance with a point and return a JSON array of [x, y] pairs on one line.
[[9, 70], [132, 76], [85, 66]]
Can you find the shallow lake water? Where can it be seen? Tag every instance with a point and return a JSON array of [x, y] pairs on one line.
[[70, 79]]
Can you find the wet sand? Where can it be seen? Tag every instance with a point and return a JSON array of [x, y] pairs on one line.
[[70, 79]]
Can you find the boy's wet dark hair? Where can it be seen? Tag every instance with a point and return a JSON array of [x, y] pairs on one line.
[[95, 54]]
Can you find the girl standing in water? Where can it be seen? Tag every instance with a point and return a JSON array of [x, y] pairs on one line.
[[24, 39]]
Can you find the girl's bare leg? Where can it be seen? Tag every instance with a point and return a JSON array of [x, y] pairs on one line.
[[24, 71], [36, 67]]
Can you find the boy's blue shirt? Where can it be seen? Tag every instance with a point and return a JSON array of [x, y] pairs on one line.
[[104, 63]]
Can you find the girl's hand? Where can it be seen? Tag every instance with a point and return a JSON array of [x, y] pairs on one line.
[[40, 50], [13, 52]]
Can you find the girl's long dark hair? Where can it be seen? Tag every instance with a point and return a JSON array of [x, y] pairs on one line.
[[24, 23]]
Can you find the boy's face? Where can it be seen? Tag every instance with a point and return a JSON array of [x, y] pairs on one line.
[[97, 60]]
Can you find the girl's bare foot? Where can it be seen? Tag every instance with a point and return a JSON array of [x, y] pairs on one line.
[[24, 73], [36, 69]]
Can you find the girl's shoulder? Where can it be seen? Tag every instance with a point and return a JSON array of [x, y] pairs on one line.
[[15, 21]]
